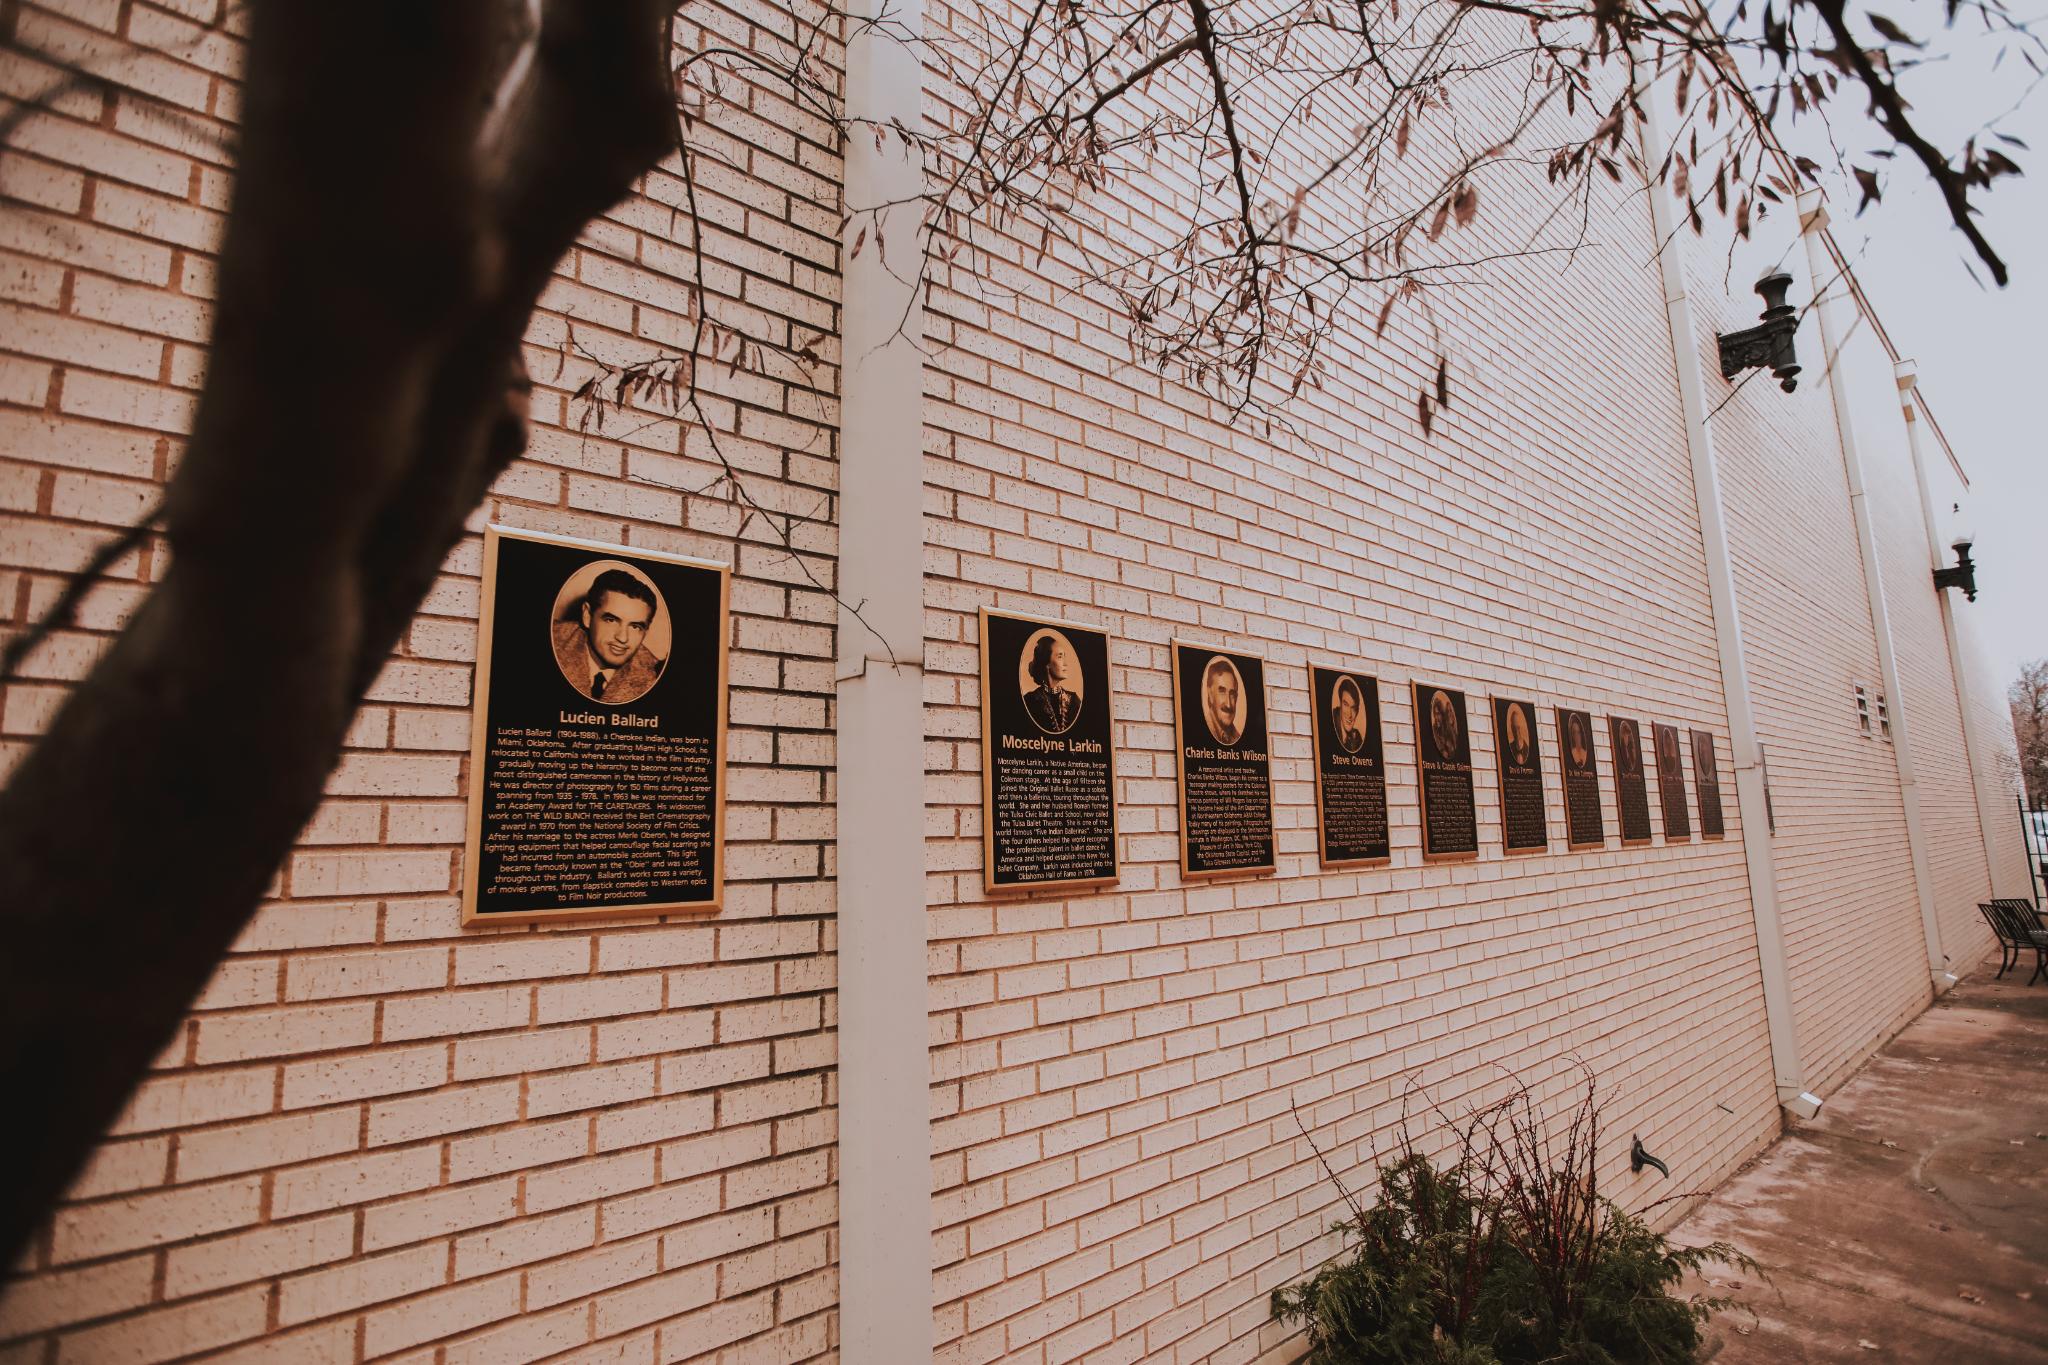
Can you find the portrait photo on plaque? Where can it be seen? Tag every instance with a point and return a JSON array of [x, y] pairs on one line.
[[1351, 769], [1048, 760], [597, 754], [1224, 765], [1671, 782], [1518, 763], [1443, 754], [1631, 788], [1706, 780]]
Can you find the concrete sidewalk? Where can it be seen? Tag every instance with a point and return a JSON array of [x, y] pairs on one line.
[[1909, 1222]]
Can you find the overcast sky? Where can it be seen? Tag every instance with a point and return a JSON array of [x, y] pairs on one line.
[[1982, 351]]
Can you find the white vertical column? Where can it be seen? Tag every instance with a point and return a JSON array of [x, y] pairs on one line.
[[1750, 800], [885, 1276], [1829, 288], [1908, 376]]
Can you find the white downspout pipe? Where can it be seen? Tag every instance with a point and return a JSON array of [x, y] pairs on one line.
[[1908, 375], [1827, 285], [885, 1207], [1747, 753]]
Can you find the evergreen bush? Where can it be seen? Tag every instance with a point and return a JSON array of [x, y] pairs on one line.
[[1505, 1253]]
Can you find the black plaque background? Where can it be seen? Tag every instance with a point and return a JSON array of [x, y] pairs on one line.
[[1706, 776], [1631, 791], [1450, 820], [527, 689], [1584, 825], [1360, 783], [1524, 826], [1095, 860], [1256, 824], [1671, 784]]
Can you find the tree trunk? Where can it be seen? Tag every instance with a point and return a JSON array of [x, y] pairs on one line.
[[409, 176]]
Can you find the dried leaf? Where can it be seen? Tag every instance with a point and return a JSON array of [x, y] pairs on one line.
[[1465, 205]]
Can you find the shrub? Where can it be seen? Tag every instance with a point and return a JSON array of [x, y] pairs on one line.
[[1507, 1254]]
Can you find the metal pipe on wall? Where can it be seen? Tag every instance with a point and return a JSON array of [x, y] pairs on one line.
[[1826, 284], [1747, 752], [885, 1207]]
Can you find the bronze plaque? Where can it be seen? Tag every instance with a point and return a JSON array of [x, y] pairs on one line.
[[1226, 772], [1048, 799], [1524, 827], [1584, 826], [597, 760], [1671, 783], [1443, 753], [1706, 777], [1631, 791], [1351, 768]]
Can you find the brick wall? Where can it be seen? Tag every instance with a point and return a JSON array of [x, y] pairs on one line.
[[380, 1136], [1116, 1076], [1854, 946]]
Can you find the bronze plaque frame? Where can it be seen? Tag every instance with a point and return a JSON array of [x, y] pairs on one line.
[[1582, 778], [1513, 772], [543, 687], [1333, 760], [1452, 765], [1090, 648], [1631, 789], [1706, 779], [1671, 784], [1252, 746]]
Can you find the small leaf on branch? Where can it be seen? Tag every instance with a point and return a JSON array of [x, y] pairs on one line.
[[1866, 179], [1465, 204], [1892, 32]]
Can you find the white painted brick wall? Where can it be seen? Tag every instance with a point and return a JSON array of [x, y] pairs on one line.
[[381, 1137]]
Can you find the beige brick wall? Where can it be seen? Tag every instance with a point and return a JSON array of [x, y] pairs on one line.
[[1119, 1169], [1854, 945], [379, 1136]]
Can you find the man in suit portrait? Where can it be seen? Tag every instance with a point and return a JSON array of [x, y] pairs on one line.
[[1347, 716], [1053, 704], [1629, 758], [1221, 692], [602, 649], [1443, 725], [1518, 736]]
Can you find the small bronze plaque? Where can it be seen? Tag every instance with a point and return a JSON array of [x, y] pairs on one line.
[[1351, 768], [1706, 776], [1226, 771], [1631, 790], [597, 758], [1443, 754], [1584, 826], [1524, 827], [1048, 759], [1671, 783]]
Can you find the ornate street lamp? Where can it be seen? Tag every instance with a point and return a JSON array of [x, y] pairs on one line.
[[1769, 343]]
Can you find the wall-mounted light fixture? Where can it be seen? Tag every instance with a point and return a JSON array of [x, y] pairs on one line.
[[1964, 574], [1769, 343]]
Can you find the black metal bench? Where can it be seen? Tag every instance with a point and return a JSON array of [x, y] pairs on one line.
[[2018, 926]]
